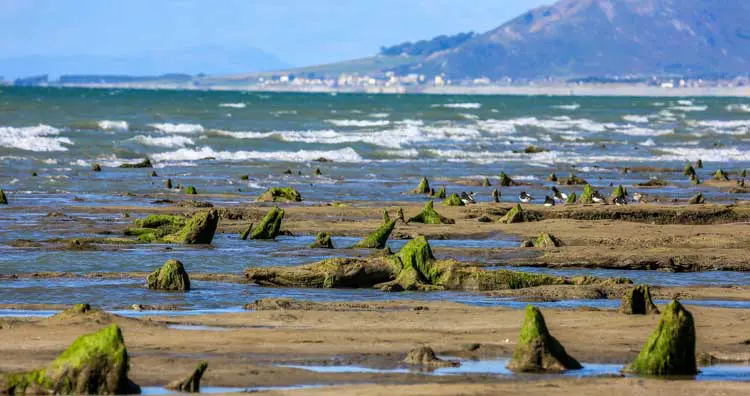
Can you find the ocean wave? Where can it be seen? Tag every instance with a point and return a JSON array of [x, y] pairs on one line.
[[50, 161], [40, 138], [358, 123], [166, 141], [459, 105], [638, 119], [109, 125], [233, 105], [343, 155], [712, 155], [573, 106], [738, 108], [469, 116], [380, 115], [648, 143], [687, 109], [559, 124], [632, 130], [178, 128]]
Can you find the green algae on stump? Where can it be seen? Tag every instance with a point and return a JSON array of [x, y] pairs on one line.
[[96, 168], [440, 194], [428, 215], [378, 239], [171, 276], [400, 215], [720, 175], [572, 197], [199, 229], [505, 180], [697, 199], [637, 301], [516, 215], [246, 233], [537, 350], [486, 182], [699, 164], [587, 196], [270, 226], [191, 383], [619, 192], [572, 180], [423, 187], [552, 178], [280, 194], [545, 240], [190, 190], [424, 356], [453, 200], [670, 350], [322, 241], [146, 163], [3, 198], [688, 171], [96, 363]]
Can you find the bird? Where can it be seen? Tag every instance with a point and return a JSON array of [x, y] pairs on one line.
[[549, 201], [596, 197], [621, 200], [637, 197], [496, 195], [558, 195], [525, 198], [467, 198]]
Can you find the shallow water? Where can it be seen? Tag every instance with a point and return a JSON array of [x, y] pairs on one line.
[[157, 390]]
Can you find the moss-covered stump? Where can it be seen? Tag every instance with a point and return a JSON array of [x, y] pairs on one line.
[[191, 190], [699, 164], [637, 301], [688, 171], [572, 197], [330, 273], [168, 184], [378, 239], [486, 182], [572, 180], [191, 383], [322, 241], [423, 187], [246, 232], [146, 163], [537, 350], [587, 196], [198, 230], [3, 198], [453, 200], [720, 175], [428, 215], [440, 194], [697, 199], [171, 277], [517, 215], [270, 226], [545, 241], [400, 215], [95, 363], [618, 192], [496, 196], [96, 168], [505, 180], [424, 356], [552, 178], [670, 350], [280, 194]]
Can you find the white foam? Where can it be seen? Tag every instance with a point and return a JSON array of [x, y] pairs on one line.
[[233, 105], [166, 141], [459, 105], [632, 130], [40, 138], [685, 102], [738, 108], [342, 155], [469, 116], [14, 181], [109, 125], [713, 155], [638, 119], [358, 123], [573, 106], [648, 143], [408, 153], [688, 109], [380, 115], [50, 161], [178, 128]]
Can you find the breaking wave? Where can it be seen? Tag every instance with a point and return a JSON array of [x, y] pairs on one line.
[[233, 105], [166, 141], [343, 155], [178, 128], [359, 123], [108, 125], [459, 105], [40, 138]]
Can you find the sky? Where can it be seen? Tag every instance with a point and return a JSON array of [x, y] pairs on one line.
[[299, 32]]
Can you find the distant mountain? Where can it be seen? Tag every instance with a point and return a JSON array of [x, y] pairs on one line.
[[194, 60], [606, 38]]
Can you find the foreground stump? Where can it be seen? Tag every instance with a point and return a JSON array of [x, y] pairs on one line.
[[428, 215], [423, 187], [378, 239], [3, 198], [670, 350], [171, 277], [322, 241], [191, 383], [270, 226], [95, 363], [199, 229], [537, 350]]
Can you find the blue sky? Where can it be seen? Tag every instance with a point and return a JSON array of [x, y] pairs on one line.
[[300, 32]]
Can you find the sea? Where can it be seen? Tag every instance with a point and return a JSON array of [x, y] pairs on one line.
[[369, 148]]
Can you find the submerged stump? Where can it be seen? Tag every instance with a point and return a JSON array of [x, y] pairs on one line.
[[146, 163], [424, 356], [270, 226], [171, 277], [423, 187], [670, 350], [697, 199], [191, 383], [378, 239], [537, 350], [3, 198], [637, 301], [453, 200], [517, 215], [322, 241], [428, 215], [280, 194]]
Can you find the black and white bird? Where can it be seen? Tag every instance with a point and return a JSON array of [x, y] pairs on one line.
[[549, 201], [621, 200], [596, 197], [496, 196], [525, 198], [467, 198], [558, 195]]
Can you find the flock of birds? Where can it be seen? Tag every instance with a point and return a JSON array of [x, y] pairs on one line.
[[556, 197]]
